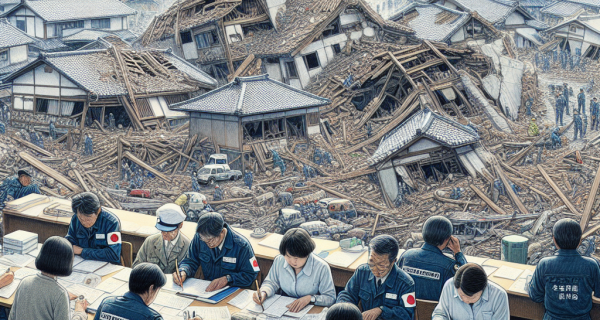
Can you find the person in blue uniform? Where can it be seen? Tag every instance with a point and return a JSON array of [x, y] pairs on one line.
[[581, 101], [595, 113], [94, 232], [428, 266], [89, 146], [248, 179], [17, 187], [383, 289], [225, 256], [145, 281], [565, 282]]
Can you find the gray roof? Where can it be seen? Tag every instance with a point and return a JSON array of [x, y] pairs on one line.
[[425, 25], [537, 24], [493, 11], [592, 3], [533, 3], [251, 95], [191, 70], [7, 70], [530, 34], [562, 8], [49, 45], [11, 36], [442, 130], [93, 34], [63, 10]]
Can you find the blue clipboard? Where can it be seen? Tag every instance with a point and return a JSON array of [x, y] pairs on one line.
[[219, 296]]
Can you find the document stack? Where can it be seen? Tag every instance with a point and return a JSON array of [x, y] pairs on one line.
[[20, 242]]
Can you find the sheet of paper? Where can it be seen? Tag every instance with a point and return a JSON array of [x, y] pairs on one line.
[[242, 300], [489, 270], [31, 265], [108, 269], [508, 273], [90, 294], [478, 260], [123, 275], [301, 313], [77, 260], [8, 291], [75, 277], [278, 308], [35, 252], [519, 285], [169, 311], [272, 241], [4, 268], [192, 287], [110, 285], [170, 285], [256, 308], [316, 316], [121, 290], [24, 272], [172, 301], [89, 266], [16, 260], [92, 308], [343, 259], [212, 313]]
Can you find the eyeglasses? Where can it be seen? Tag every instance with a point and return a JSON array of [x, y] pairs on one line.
[[207, 240], [380, 266]]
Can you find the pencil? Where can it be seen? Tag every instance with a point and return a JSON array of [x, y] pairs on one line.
[[178, 274], [258, 293]]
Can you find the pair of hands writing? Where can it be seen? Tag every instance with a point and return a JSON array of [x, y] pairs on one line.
[[295, 306], [219, 283]]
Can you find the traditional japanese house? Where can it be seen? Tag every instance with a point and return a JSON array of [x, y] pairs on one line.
[[580, 36], [14, 48]]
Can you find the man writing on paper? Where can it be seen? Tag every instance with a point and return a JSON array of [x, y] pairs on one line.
[[170, 245], [226, 257], [383, 289], [428, 266], [17, 187], [94, 232]]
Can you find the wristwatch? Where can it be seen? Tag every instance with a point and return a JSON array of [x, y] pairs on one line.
[[229, 279], [313, 299]]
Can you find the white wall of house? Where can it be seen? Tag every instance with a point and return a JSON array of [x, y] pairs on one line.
[[274, 71], [273, 6], [233, 31], [18, 54], [515, 18], [458, 35], [50, 84]]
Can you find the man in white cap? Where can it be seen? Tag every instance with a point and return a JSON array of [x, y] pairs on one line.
[[170, 245]]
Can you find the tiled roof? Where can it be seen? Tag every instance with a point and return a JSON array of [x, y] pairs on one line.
[[434, 22], [537, 24], [251, 95], [532, 3], [562, 8], [187, 68], [49, 45], [92, 35], [493, 11], [11, 36], [7, 70], [530, 34], [593, 3], [63, 10], [432, 126]]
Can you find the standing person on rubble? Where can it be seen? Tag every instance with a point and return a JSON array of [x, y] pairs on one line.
[[566, 97], [111, 121], [533, 129], [52, 130], [428, 266], [89, 146], [559, 109], [218, 195], [248, 179], [595, 112], [578, 125], [581, 101], [17, 187], [585, 124], [195, 184]]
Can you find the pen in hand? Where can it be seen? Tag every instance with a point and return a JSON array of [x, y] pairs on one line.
[[258, 294]]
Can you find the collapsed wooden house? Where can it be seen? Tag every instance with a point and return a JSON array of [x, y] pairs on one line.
[[579, 36], [291, 40], [135, 86], [252, 115]]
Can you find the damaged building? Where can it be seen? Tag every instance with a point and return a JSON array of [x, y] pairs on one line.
[[555, 12], [290, 40], [14, 48], [579, 36], [87, 86], [252, 115]]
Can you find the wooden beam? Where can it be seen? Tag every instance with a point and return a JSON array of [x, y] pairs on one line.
[[146, 166], [33, 146], [399, 65], [509, 190], [49, 171], [377, 103], [81, 181], [487, 200], [523, 152], [557, 190], [375, 224], [441, 56], [242, 67], [587, 212], [343, 196]]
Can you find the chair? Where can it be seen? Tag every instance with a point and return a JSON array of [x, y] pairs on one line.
[[424, 309], [126, 254]]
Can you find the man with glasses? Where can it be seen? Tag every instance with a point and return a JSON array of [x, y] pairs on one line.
[[383, 289], [164, 249], [225, 256]]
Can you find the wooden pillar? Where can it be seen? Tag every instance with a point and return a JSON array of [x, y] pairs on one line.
[[83, 115]]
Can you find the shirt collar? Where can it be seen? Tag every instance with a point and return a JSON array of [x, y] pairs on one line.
[[431, 248], [392, 273], [565, 252], [133, 296], [174, 241], [228, 242], [485, 295]]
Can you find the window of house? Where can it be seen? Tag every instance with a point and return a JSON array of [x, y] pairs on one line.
[[311, 61], [101, 23], [21, 24], [272, 60], [207, 39], [377, 8], [337, 48], [573, 29], [71, 25], [4, 55], [249, 30], [186, 37], [291, 70], [235, 37], [332, 29]]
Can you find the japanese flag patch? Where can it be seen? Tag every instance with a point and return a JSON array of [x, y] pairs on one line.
[[113, 238], [409, 300], [254, 264]]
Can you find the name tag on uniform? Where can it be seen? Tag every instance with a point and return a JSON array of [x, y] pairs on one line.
[[100, 236], [392, 296], [229, 259]]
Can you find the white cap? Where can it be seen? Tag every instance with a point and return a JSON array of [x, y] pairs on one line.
[[170, 216]]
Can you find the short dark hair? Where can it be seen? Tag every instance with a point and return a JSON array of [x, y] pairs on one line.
[[85, 203], [55, 257], [567, 234], [470, 278], [144, 275], [436, 230], [210, 224], [343, 311], [384, 244], [297, 243]]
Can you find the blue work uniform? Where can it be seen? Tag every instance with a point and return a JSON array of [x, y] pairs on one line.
[[565, 283], [236, 259], [128, 307], [102, 241], [12, 187], [396, 296], [430, 269], [581, 102]]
